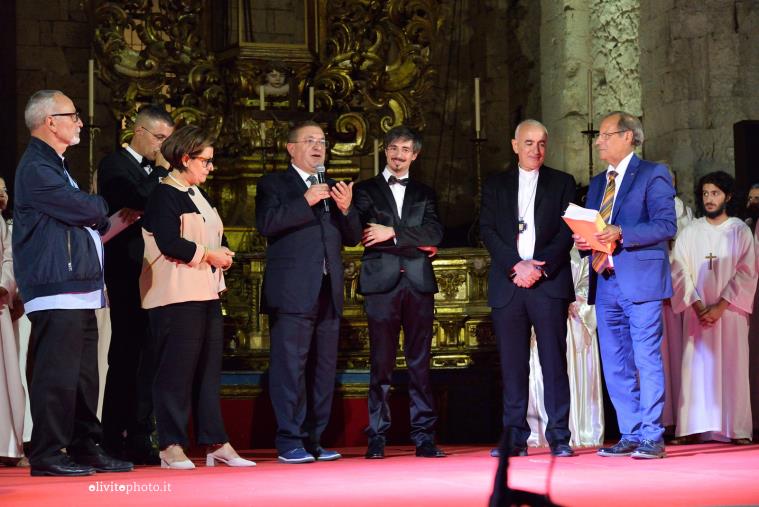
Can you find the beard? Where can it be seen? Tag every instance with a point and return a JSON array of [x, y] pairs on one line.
[[717, 212], [75, 140]]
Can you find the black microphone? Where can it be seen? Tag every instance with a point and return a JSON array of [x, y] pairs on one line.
[[321, 177]]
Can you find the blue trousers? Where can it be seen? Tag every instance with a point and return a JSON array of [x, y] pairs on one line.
[[630, 336]]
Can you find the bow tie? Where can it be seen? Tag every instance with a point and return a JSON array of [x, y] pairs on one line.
[[392, 180], [145, 162]]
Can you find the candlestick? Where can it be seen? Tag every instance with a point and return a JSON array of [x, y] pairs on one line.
[[477, 105], [310, 99], [261, 98], [590, 96], [376, 157], [91, 90]]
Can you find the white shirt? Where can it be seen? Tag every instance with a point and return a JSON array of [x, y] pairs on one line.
[[398, 190], [621, 169], [528, 187], [139, 158], [72, 300], [304, 175]]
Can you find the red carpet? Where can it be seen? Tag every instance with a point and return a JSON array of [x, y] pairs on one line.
[[697, 475]]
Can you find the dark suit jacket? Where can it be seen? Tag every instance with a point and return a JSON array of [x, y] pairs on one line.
[[645, 209], [553, 239], [124, 184], [299, 239], [418, 225]]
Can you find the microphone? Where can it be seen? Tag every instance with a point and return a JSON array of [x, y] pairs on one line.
[[321, 177]]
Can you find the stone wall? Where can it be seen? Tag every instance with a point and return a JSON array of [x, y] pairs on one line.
[[699, 76], [53, 46]]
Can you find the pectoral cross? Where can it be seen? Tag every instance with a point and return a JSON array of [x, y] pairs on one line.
[[710, 257]]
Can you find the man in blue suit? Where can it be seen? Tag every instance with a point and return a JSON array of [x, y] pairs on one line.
[[636, 199]]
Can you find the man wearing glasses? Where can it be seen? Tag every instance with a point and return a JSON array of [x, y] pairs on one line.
[[126, 178], [59, 273], [306, 221], [637, 200]]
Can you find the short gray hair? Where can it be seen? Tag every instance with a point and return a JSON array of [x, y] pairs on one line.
[[39, 107], [531, 123], [629, 122]]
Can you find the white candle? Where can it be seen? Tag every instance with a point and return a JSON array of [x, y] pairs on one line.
[[91, 89], [261, 98], [310, 99], [477, 122], [376, 157], [263, 133], [590, 96]]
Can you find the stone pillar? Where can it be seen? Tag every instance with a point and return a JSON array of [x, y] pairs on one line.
[[699, 76]]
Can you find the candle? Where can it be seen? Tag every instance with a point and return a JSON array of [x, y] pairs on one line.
[[91, 89], [376, 157], [477, 122], [261, 98], [310, 99], [263, 133], [590, 97]]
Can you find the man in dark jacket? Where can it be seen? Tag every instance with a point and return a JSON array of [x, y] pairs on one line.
[[60, 276], [126, 178]]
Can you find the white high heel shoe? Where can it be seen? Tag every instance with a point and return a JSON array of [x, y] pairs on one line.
[[176, 464], [237, 461]]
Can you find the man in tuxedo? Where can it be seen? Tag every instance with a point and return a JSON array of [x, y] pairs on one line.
[[637, 200], [401, 231], [305, 222], [530, 284], [125, 179]]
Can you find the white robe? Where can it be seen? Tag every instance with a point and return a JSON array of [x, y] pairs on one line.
[[714, 398], [672, 336], [586, 415], [753, 345], [12, 394]]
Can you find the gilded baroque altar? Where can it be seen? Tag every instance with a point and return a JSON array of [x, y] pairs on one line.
[[248, 69]]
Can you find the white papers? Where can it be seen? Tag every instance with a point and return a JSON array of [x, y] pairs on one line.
[[119, 221]]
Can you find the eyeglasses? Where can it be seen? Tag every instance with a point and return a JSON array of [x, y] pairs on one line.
[[314, 142], [158, 137], [205, 161], [607, 135], [74, 116]]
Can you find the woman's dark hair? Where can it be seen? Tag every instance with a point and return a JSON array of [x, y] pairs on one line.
[[188, 140]]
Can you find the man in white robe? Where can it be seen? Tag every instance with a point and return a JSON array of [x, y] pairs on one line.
[[715, 275]]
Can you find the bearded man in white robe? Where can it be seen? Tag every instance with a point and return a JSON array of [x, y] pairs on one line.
[[715, 278]]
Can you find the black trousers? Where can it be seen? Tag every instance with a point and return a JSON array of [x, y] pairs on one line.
[[128, 398], [302, 371], [63, 392], [403, 306], [512, 324], [189, 343]]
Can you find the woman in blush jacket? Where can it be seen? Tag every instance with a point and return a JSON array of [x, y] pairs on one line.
[[180, 283]]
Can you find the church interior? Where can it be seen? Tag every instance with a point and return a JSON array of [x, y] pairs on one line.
[[462, 72]]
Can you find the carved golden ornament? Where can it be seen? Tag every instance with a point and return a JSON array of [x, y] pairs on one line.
[[450, 283]]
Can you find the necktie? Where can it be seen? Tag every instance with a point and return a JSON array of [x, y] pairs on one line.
[[600, 260], [311, 180], [392, 180], [145, 164]]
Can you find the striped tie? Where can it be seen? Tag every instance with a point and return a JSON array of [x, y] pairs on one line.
[[601, 259]]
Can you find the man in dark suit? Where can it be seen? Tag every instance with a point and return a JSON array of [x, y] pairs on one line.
[[401, 229], [306, 223], [125, 179], [636, 198], [530, 284]]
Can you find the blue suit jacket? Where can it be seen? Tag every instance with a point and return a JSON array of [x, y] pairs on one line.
[[645, 209]]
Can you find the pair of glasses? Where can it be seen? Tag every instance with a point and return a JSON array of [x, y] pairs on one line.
[[158, 137], [75, 116], [314, 142], [607, 135], [205, 161]]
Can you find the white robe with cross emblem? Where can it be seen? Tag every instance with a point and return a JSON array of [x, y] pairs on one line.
[[714, 398]]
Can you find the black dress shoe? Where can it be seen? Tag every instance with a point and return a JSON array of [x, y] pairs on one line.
[[622, 448], [59, 465], [562, 451], [514, 452], [428, 449], [94, 456], [376, 449]]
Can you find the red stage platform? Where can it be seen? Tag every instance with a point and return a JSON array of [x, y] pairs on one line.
[[697, 475]]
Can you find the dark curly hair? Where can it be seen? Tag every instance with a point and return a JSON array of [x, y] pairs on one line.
[[724, 182]]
